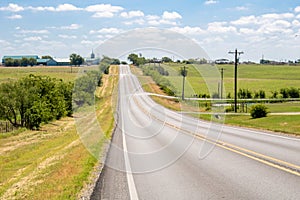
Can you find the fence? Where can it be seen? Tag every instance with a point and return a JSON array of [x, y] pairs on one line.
[[6, 127]]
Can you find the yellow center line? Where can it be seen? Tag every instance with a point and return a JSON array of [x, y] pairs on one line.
[[268, 160]]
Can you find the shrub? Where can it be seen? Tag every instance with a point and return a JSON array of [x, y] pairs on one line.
[[258, 111]]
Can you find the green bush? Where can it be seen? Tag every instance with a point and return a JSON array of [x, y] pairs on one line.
[[258, 111]]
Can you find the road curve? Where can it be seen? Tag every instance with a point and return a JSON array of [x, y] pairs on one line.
[[161, 154]]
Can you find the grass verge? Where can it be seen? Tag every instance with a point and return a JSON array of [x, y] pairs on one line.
[[52, 163]]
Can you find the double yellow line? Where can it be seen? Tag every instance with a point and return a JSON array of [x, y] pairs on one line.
[[267, 160]]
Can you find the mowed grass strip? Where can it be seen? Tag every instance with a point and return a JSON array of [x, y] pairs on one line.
[[52, 163]]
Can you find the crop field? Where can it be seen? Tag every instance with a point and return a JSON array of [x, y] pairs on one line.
[[253, 77]]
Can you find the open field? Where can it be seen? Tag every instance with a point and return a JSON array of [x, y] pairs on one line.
[[253, 77], [60, 72], [282, 123], [52, 163]]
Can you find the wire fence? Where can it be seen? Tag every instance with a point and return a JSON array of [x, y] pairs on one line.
[[6, 127]]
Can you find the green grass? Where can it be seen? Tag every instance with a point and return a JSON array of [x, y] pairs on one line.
[[253, 77], [61, 72], [52, 163]]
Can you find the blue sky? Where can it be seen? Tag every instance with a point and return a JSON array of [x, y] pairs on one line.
[[59, 28]]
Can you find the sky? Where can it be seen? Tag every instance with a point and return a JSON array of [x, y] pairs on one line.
[[259, 28]]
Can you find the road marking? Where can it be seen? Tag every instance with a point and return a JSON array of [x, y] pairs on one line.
[[130, 181], [268, 160]]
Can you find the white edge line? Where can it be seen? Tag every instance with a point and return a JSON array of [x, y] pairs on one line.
[[130, 181]]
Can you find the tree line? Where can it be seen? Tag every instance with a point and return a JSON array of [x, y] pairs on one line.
[[34, 100]]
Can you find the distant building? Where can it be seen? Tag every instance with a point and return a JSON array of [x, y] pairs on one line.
[[222, 61], [63, 61], [92, 60], [46, 62]]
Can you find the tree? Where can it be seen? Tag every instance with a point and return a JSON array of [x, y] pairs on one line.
[[133, 58], [9, 62], [24, 62], [47, 57], [76, 60], [166, 59], [32, 62]]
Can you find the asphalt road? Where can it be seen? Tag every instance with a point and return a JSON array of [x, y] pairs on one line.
[[161, 154]]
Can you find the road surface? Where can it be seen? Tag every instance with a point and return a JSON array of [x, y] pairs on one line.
[[160, 154]]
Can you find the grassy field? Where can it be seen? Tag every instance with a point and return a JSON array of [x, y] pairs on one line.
[[264, 77], [61, 72], [253, 77], [52, 163]]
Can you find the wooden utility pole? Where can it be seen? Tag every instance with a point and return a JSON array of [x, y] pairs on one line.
[[236, 60], [183, 73]]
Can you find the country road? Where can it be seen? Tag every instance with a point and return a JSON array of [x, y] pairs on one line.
[[161, 154]]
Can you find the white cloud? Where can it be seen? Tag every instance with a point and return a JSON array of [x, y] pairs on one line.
[[296, 22], [245, 20], [171, 15], [34, 31], [131, 14], [188, 30], [66, 7], [152, 17], [104, 8], [3, 42], [209, 2], [241, 8], [219, 27], [137, 21], [297, 9], [107, 30], [67, 36], [71, 27], [103, 15], [34, 38], [40, 8], [274, 16], [15, 17], [12, 8], [160, 22]]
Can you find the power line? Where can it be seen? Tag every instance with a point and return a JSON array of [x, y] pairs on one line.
[[236, 60]]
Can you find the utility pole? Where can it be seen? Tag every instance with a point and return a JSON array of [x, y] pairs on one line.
[[236, 60], [183, 73], [222, 76]]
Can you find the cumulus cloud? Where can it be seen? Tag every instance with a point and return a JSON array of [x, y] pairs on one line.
[[67, 36], [43, 31], [66, 7], [71, 27], [209, 2], [137, 21], [12, 8], [171, 15], [34, 38], [297, 9], [103, 15], [106, 31], [104, 8], [188, 30], [131, 14], [15, 17], [241, 8]]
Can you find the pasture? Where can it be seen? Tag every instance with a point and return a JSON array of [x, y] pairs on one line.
[[254, 77], [60, 72]]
